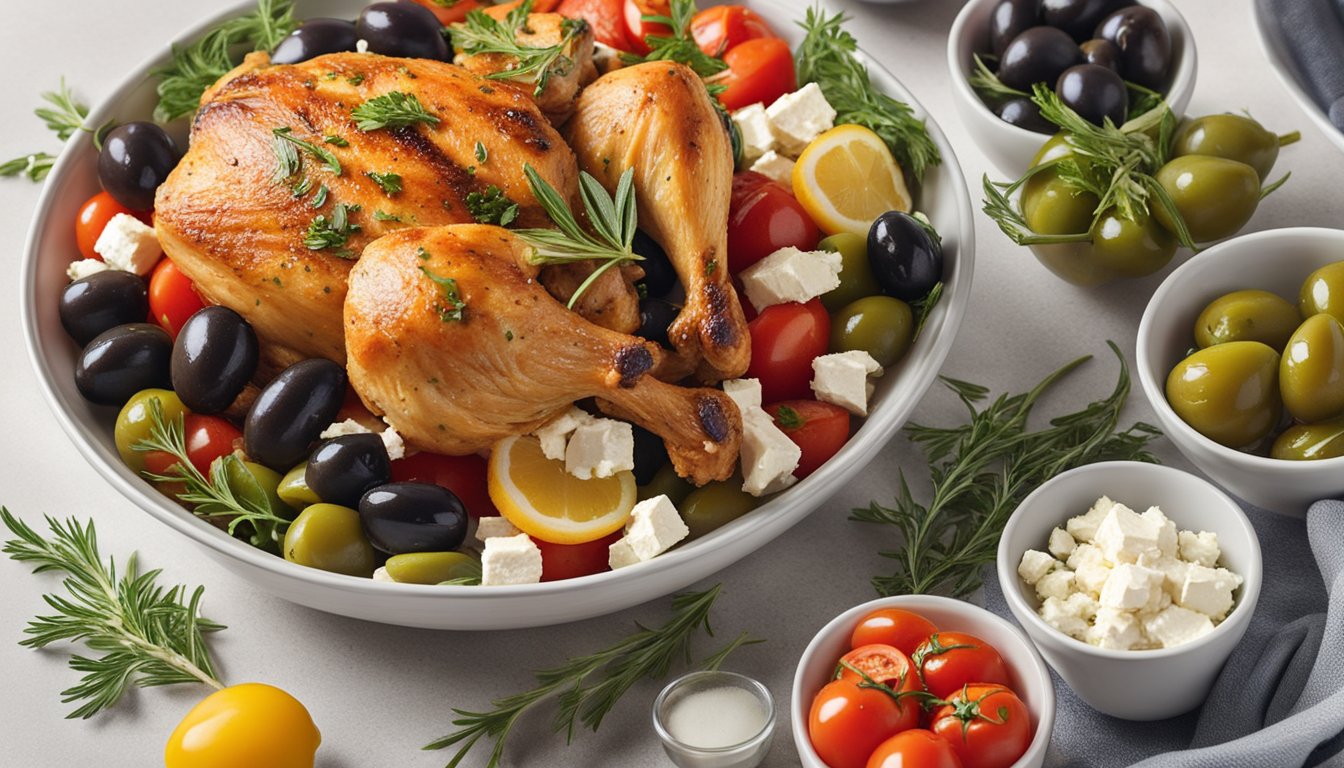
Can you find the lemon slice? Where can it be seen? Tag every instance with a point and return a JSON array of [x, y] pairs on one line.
[[846, 178], [538, 496]]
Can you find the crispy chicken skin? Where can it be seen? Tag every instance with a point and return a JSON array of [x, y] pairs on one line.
[[657, 118], [514, 360], [567, 77]]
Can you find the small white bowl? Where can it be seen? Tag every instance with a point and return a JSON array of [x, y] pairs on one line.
[[1029, 677], [1276, 260], [1009, 147], [1133, 685]]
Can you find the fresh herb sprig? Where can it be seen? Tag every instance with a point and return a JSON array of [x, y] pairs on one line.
[[64, 117], [827, 57], [982, 469], [482, 33], [147, 635], [613, 221], [389, 182], [681, 46], [649, 653], [391, 110], [451, 308], [35, 166], [288, 159], [491, 207], [332, 232]]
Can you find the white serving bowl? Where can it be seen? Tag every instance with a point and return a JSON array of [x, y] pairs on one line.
[[1030, 680], [50, 243], [1281, 61], [1009, 147], [1134, 685], [1275, 260]]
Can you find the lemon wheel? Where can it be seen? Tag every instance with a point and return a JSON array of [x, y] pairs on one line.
[[846, 178], [538, 496]]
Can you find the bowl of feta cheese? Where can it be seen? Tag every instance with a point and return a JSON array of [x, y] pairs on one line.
[[1135, 581]]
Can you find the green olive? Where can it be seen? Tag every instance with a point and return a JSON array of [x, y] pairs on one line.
[[1053, 206], [1214, 195], [133, 423], [1247, 316], [715, 505], [856, 274], [1130, 248], [329, 537], [431, 567], [1309, 442], [1323, 292], [1311, 376], [1229, 393], [666, 482], [1235, 137], [263, 486], [882, 326], [294, 489]]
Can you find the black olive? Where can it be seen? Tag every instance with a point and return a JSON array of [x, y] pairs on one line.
[[1095, 93], [122, 361], [314, 38], [1023, 112], [1038, 55], [343, 468], [906, 259], [413, 517], [213, 358], [134, 161], [1079, 17], [655, 317], [650, 455], [402, 29], [101, 302], [1103, 53], [292, 411], [659, 275], [1010, 19], [1144, 43]]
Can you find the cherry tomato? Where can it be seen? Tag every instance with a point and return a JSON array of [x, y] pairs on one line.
[[763, 217], [785, 339], [248, 724], [502, 10], [636, 28], [915, 748], [847, 722], [172, 297], [900, 629], [820, 429], [463, 475], [987, 725], [759, 70], [882, 664], [606, 17], [949, 660], [719, 29], [206, 439], [570, 561], [93, 217]]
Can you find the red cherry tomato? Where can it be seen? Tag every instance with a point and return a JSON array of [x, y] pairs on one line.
[[93, 217], [900, 629], [463, 475], [606, 17], [206, 439], [820, 429], [763, 217], [882, 664], [759, 70], [719, 29], [785, 339], [915, 748], [570, 561], [949, 660], [172, 297], [636, 28], [987, 725], [846, 722]]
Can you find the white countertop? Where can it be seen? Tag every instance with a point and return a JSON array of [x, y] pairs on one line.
[[378, 692]]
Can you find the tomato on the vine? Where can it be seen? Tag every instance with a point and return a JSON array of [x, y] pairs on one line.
[[206, 438], [949, 660], [898, 628], [570, 561], [987, 725], [764, 216], [819, 429], [636, 28], [785, 339], [915, 748], [93, 217], [847, 722], [606, 17], [722, 28], [759, 70], [172, 297], [463, 475]]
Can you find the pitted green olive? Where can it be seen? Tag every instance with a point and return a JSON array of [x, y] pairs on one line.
[[1214, 195], [715, 505], [1235, 137], [329, 537], [431, 567], [134, 422], [294, 490], [1250, 315], [1323, 292], [1309, 442], [882, 326], [1130, 248], [856, 274], [1053, 206], [1311, 375], [1229, 393]]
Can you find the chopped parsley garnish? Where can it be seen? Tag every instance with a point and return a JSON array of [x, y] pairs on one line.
[[390, 182], [383, 216], [492, 207], [481, 154], [391, 110], [333, 232], [355, 79], [450, 311], [291, 160]]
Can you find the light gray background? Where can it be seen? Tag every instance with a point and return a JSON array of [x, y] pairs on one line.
[[377, 692]]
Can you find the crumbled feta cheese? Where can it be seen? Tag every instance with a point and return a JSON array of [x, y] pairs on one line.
[[343, 428], [495, 527], [1175, 625], [1116, 630], [791, 275], [361, 46], [1084, 527], [620, 554], [1208, 590], [1130, 587], [396, 447], [1061, 544], [1173, 572], [799, 117], [554, 435], [128, 244], [1124, 535], [843, 379], [754, 126], [776, 167], [1035, 564], [381, 574], [1057, 583], [1200, 548], [78, 270], [1090, 568], [655, 525], [746, 393], [768, 455], [600, 448], [1166, 531], [510, 560], [1064, 617]]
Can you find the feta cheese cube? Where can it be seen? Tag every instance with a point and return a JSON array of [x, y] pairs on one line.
[[1208, 590], [1200, 548], [1166, 531], [757, 138], [745, 392], [381, 574], [554, 435], [655, 525], [1083, 605], [1091, 568], [1124, 535], [1176, 625], [1084, 527], [1064, 617], [1173, 572], [768, 455], [1034, 565], [1130, 587], [510, 560], [1116, 630], [343, 428], [1061, 544], [600, 448], [495, 527], [791, 275], [128, 244], [620, 554], [776, 167], [396, 447], [799, 117], [843, 379], [78, 270], [1057, 583]]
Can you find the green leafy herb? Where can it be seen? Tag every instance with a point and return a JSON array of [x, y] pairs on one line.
[[331, 232], [384, 216], [923, 306], [481, 33], [422, 253], [473, 576], [827, 58], [355, 79], [989, 86], [336, 141], [453, 307], [788, 418], [390, 182], [285, 135], [481, 154], [147, 635], [649, 653], [303, 187], [981, 471], [65, 116], [35, 166], [681, 46], [710, 267], [320, 199], [391, 110], [492, 207]]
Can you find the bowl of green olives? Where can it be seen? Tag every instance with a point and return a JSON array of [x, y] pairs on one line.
[[1241, 355]]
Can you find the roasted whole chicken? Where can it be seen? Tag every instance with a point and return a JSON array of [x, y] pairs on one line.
[[573, 71]]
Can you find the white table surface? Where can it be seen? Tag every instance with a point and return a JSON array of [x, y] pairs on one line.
[[378, 692]]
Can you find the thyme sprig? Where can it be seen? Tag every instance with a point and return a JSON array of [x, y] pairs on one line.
[[147, 635], [482, 33]]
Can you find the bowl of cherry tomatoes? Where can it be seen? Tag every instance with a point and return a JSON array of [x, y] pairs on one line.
[[919, 680]]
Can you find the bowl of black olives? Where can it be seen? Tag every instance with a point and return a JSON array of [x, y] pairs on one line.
[[1108, 60]]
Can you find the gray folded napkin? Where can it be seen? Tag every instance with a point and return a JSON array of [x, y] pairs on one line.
[[1313, 33], [1279, 701]]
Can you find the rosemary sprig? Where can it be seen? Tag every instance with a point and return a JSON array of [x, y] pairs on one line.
[[826, 57], [64, 117], [147, 635], [481, 33], [681, 46], [35, 166], [981, 471], [988, 85], [286, 135], [391, 110], [649, 653]]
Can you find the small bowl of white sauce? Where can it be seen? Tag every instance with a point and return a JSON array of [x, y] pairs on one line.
[[715, 719]]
